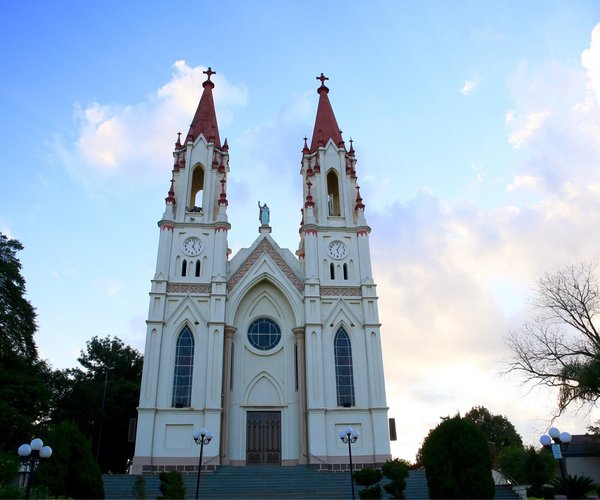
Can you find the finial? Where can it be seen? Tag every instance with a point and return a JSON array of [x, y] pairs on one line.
[[322, 77], [359, 203], [225, 145], [309, 199], [209, 72], [223, 196], [305, 148], [178, 143]]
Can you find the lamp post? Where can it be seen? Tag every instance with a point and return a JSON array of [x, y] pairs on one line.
[[106, 370], [561, 441], [30, 458], [201, 437], [349, 435]]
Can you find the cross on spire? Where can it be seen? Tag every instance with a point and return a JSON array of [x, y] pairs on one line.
[[322, 77], [210, 72]]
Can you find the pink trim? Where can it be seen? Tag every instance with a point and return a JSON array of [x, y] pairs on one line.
[[166, 227]]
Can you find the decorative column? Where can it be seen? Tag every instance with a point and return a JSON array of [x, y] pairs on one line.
[[229, 332], [302, 434]]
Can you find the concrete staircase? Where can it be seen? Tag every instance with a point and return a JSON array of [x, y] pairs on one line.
[[269, 482]]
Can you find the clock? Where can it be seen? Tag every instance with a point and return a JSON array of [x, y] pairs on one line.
[[192, 246], [337, 249]]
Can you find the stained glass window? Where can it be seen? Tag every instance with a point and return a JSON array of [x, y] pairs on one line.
[[184, 365], [344, 377]]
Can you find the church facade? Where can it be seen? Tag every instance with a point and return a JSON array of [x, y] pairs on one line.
[[273, 352]]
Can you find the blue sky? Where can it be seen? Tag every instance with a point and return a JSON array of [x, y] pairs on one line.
[[477, 131]]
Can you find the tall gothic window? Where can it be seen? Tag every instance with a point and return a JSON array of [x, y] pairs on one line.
[[344, 377], [182, 377]]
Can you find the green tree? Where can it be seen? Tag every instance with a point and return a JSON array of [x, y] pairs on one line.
[[71, 471], [457, 461], [396, 471], [24, 395], [560, 346], [527, 466], [112, 373], [171, 485], [368, 477], [496, 428]]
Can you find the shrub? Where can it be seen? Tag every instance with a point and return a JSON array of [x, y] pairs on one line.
[[577, 486], [396, 471], [71, 471], [367, 477], [171, 485], [139, 488], [457, 461]]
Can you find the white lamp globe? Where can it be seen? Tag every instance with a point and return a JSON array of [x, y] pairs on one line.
[[355, 434], [545, 440], [196, 434], [553, 432], [565, 437], [348, 430], [342, 435], [36, 444], [209, 435], [46, 452], [24, 450], [203, 431]]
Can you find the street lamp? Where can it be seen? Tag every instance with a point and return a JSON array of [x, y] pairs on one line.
[[201, 437], [30, 457], [349, 435], [561, 441]]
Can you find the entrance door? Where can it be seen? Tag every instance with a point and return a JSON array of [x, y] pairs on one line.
[[263, 437]]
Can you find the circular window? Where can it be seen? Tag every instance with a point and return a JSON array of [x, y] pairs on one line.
[[264, 334]]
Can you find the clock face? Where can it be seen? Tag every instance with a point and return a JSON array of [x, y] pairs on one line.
[[192, 246], [337, 249]]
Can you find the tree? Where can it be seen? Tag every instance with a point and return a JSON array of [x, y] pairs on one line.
[[71, 471], [112, 374], [396, 471], [497, 428], [457, 461], [24, 394], [527, 466], [560, 347], [17, 315]]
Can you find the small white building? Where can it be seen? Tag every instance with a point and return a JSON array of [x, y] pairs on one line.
[[274, 352]]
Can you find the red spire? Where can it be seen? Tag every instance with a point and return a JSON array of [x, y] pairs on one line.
[[309, 199], [359, 203], [171, 194], [205, 119], [326, 126], [223, 196]]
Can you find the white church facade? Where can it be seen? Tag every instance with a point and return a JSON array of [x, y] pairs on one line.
[[274, 352]]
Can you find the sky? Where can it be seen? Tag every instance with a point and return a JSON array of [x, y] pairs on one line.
[[476, 127]]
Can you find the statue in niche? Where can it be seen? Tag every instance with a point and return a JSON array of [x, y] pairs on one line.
[[264, 214]]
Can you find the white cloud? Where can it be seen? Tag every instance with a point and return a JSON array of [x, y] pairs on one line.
[[590, 60], [469, 86], [527, 128], [128, 140]]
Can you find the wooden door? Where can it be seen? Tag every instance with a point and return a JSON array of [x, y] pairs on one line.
[[263, 437]]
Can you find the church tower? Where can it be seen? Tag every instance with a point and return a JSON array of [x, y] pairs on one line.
[[272, 352]]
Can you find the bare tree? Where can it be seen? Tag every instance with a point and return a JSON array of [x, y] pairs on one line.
[[560, 346]]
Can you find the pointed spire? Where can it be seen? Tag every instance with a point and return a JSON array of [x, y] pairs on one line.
[[309, 199], [326, 126], [305, 148], [223, 196], [359, 203], [171, 194], [351, 152], [205, 119], [178, 143], [225, 145]]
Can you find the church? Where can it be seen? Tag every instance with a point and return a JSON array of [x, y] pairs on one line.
[[272, 351]]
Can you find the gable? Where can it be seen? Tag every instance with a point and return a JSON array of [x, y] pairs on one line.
[[265, 248]]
